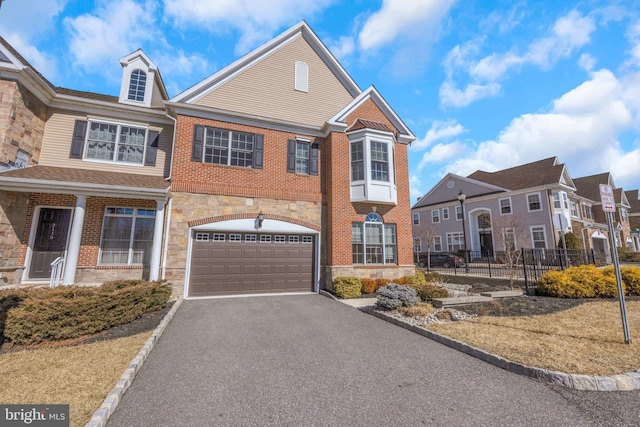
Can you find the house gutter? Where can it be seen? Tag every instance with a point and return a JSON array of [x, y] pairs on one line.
[[45, 186]]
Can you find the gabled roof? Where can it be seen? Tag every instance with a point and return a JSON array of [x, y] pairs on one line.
[[542, 172], [589, 186], [620, 197], [368, 124], [340, 120], [634, 203], [139, 53], [302, 28], [448, 188]]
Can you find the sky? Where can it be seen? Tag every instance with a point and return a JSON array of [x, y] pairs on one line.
[[482, 84]]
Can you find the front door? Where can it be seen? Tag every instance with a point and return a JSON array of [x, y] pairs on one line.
[[486, 244], [50, 240]]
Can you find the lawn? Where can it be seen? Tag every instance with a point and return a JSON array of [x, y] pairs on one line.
[[586, 339], [79, 375]]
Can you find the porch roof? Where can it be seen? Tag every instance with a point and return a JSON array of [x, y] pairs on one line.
[[51, 179]]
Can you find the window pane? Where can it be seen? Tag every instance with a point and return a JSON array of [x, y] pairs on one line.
[[357, 246], [126, 238], [131, 147], [136, 85], [357, 161], [115, 240], [390, 244], [101, 143], [302, 157], [216, 146], [241, 149], [143, 240], [379, 161], [373, 245]]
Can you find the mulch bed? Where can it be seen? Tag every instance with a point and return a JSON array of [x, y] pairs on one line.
[[147, 322]]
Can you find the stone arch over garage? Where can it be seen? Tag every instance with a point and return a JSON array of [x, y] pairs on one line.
[[267, 216]]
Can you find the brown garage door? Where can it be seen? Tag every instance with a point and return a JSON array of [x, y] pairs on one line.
[[243, 263]]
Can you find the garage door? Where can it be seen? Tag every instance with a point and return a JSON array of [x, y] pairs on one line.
[[241, 263]]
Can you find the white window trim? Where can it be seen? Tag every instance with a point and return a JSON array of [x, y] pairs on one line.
[[134, 216], [229, 148], [416, 215], [510, 205], [378, 221], [529, 204], [419, 244], [307, 159], [120, 124], [461, 213], [544, 231], [368, 189], [439, 238], [451, 234], [445, 214], [504, 237], [437, 211], [577, 209]]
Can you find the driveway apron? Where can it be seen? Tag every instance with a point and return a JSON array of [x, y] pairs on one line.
[[308, 360]]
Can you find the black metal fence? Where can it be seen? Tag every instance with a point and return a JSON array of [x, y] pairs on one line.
[[523, 264]]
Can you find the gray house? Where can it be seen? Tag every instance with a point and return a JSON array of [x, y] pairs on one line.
[[529, 206]]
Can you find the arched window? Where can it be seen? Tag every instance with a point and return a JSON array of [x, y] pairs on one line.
[[137, 85], [373, 242]]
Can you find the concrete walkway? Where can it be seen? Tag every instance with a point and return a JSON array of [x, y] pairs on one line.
[[308, 360]]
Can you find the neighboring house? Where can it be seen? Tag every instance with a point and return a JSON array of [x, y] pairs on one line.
[[529, 206], [83, 175], [275, 174], [286, 175], [589, 188], [634, 218]]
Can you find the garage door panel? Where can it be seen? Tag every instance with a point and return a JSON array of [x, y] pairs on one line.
[[221, 267]]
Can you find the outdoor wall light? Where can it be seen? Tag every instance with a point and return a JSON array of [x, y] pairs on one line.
[[260, 218]]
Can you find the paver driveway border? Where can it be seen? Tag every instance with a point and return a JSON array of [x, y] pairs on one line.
[[623, 382], [102, 414]]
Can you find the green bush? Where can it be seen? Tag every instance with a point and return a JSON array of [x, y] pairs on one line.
[[627, 255], [347, 287], [72, 311], [571, 240], [428, 291]]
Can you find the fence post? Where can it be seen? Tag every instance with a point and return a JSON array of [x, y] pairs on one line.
[[489, 262]]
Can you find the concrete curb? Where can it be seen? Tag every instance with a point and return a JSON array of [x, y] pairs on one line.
[[100, 417], [623, 382]]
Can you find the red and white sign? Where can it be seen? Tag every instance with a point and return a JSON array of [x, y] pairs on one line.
[[606, 197]]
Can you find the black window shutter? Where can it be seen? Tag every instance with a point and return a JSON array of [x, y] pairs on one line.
[[313, 161], [291, 156], [198, 142], [152, 148], [258, 152], [77, 142]]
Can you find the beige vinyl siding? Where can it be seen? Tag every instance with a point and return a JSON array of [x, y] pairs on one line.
[[56, 145], [267, 88]]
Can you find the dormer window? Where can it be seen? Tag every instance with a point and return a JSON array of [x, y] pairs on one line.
[[137, 86]]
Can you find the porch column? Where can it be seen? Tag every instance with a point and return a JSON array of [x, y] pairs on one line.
[[73, 249], [154, 266]]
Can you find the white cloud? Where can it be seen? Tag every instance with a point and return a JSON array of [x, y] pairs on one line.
[[401, 17], [450, 95], [583, 129], [341, 48], [440, 153], [45, 64], [587, 62], [568, 33], [115, 29], [439, 130], [504, 22], [256, 20]]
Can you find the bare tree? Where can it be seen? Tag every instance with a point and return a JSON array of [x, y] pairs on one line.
[[427, 234], [510, 231]]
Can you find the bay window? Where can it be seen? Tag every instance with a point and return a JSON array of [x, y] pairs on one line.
[[372, 166]]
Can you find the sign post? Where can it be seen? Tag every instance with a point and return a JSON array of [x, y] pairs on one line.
[[609, 206]]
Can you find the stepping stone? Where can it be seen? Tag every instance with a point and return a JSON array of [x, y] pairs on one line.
[[502, 294], [448, 302]]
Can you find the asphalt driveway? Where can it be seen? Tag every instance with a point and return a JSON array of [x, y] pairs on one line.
[[308, 360]]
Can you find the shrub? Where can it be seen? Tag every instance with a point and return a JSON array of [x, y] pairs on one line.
[[382, 282], [347, 287], [368, 285], [590, 276], [394, 296], [557, 284], [627, 255], [431, 277], [415, 279], [428, 291], [630, 278], [72, 311], [571, 241]]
